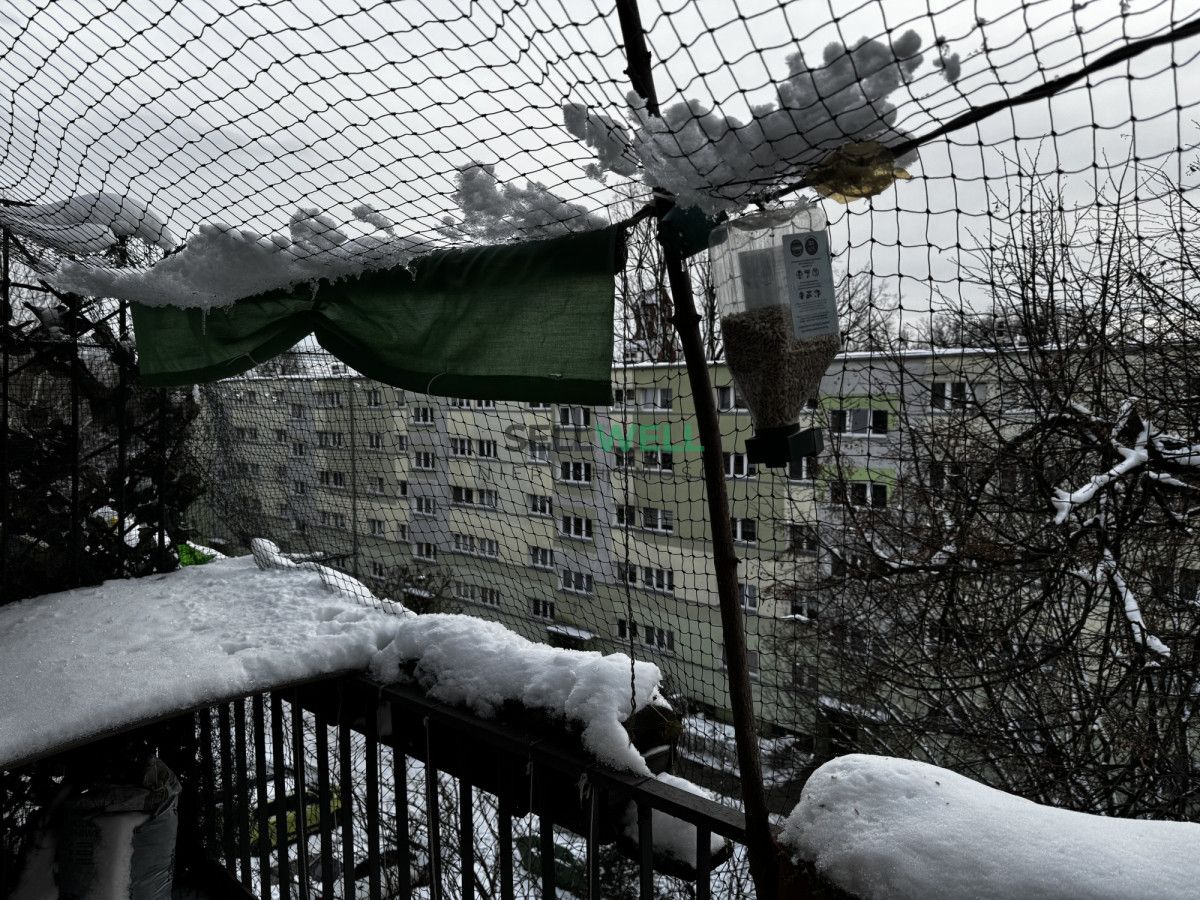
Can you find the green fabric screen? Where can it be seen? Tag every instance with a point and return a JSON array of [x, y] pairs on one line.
[[530, 321]]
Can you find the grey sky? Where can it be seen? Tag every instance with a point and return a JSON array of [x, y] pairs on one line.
[[225, 111]]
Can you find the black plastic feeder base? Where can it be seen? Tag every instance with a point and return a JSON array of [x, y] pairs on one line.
[[776, 447]]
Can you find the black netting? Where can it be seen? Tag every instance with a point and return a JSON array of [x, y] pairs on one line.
[[988, 566]]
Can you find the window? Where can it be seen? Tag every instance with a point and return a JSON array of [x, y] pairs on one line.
[[330, 438], [297, 449], [539, 451], [803, 539], [663, 460], [744, 530], [662, 580], [654, 398], [334, 519], [299, 488], [329, 478], [620, 397], [377, 527], [422, 415], [626, 630], [460, 447], [401, 442], [402, 489], [425, 550], [280, 435], [465, 496], [658, 638], [574, 416], [488, 449], [459, 403], [949, 395], [330, 399], [474, 593], [541, 557], [471, 545], [658, 520], [540, 505], [425, 506], [858, 421], [577, 527], [804, 676], [576, 582], [541, 609], [738, 465], [297, 410], [376, 486], [806, 468], [627, 572], [374, 397], [624, 458], [806, 606], [375, 440], [751, 662], [248, 468], [729, 400], [577, 472], [748, 596], [539, 405], [485, 404], [859, 493], [246, 434], [378, 569], [424, 459]]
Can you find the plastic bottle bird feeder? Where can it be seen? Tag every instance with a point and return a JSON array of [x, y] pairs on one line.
[[774, 287]]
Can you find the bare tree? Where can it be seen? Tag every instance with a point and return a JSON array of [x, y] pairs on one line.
[[1027, 608]]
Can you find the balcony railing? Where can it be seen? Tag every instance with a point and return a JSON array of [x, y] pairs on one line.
[[346, 788]]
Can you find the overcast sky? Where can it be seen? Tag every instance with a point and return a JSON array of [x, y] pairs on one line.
[[236, 112]]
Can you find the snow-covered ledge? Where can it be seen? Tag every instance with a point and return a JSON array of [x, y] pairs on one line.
[[82, 664], [93, 661], [879, 827]]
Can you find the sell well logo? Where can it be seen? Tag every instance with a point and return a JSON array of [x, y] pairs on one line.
[[656, 436], [678, 437]]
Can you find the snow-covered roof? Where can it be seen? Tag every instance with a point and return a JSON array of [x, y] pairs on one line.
[[879, 827]]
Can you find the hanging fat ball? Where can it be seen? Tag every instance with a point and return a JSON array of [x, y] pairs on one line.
[[856, 171]]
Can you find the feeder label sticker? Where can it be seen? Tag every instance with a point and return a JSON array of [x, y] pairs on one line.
[[810, 284]]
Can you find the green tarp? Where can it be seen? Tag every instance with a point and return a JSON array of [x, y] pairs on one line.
[[530, 321]]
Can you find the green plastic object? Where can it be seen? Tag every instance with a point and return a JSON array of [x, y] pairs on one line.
[[530, 321]]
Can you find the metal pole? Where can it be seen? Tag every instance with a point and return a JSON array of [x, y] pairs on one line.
[[6, 313], [763, 853], [353, 484]]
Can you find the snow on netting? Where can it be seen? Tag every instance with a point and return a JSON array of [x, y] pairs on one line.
[[989, 565]]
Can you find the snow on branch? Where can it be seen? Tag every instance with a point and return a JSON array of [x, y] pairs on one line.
[[718, 162], [1131, 458], [1107, 570]]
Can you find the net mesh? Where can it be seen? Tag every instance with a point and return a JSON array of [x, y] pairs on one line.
[[988, 566]]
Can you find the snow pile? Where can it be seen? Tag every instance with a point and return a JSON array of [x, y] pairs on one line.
[[267, 555], [493, 213], [87, 225], [718, 162], [482, 665], [880, 827], [87, 661], [221, 264], [673, 838]]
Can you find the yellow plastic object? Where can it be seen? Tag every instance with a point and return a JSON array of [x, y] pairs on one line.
[[857, 170]]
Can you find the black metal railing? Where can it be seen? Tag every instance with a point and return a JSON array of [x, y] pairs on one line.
[[386, 792]]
